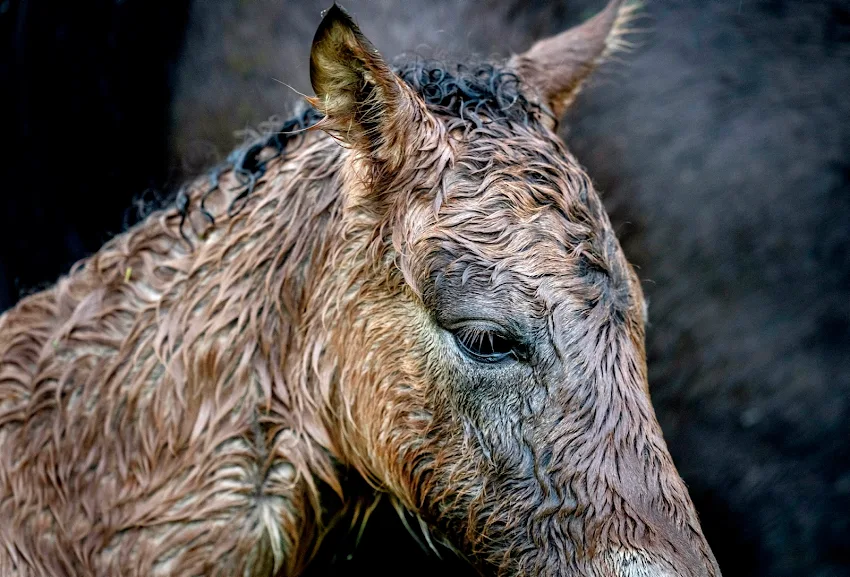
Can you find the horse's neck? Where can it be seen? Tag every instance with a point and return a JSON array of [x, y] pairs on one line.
[[224, 312], [248, 279], [233, 321], [185, 362]]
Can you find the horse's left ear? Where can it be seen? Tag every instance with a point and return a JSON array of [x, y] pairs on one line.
[[365, 104], [557, 66]]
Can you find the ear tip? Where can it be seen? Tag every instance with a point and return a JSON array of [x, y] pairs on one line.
[[335, 37], [333, 12], [336, 14], [333, 17], [337, 18]]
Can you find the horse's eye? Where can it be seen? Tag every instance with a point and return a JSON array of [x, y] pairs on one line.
[[485, 345]]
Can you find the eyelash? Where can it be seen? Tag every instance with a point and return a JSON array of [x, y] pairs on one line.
[[485, 345]]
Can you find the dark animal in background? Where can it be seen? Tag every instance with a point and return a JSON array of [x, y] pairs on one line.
[[432, 297]]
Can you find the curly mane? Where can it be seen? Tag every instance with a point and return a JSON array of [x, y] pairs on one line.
[[467, 93]]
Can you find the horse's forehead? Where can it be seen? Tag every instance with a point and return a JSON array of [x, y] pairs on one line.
[[513, 140], [519, 207], [523, 180], [509, 149]]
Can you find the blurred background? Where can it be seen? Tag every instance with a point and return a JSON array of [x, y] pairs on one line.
[[721, 145]]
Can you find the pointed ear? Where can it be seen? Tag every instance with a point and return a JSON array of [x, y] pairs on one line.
[[365, 104], [557, 66]]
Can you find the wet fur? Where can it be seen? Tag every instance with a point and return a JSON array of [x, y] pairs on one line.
[[180, 402]]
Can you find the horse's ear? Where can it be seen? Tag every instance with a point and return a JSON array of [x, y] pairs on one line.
[[365, 104], [557, 66]]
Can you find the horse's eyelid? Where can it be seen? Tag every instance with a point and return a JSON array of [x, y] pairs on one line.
[[467, 343]]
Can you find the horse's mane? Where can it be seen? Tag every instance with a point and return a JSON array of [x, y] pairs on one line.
[[470, 92], [467, 93]]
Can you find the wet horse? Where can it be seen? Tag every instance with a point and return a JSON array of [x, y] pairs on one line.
[[422, 290]]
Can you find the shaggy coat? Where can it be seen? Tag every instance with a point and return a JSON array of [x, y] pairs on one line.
[[427, 295]]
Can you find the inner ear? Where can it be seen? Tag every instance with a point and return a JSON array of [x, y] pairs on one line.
[[355, 88]]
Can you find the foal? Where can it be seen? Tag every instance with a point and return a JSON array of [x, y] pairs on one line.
[[424, 291]]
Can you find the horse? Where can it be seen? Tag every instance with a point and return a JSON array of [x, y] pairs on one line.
[[409, 289]]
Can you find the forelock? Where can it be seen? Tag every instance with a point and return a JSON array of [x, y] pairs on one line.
[[472, 93]]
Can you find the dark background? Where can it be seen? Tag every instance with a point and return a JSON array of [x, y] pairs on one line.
[[721, 145]]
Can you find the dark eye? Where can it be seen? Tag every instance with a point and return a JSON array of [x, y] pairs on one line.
[[485, 345]]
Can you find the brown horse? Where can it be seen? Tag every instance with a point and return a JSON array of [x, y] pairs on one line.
[[430, 298]]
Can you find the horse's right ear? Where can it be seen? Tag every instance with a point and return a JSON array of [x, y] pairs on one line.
[[365, 104], [556, 67]]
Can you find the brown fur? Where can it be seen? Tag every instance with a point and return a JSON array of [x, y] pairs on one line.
[[169, 409]]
